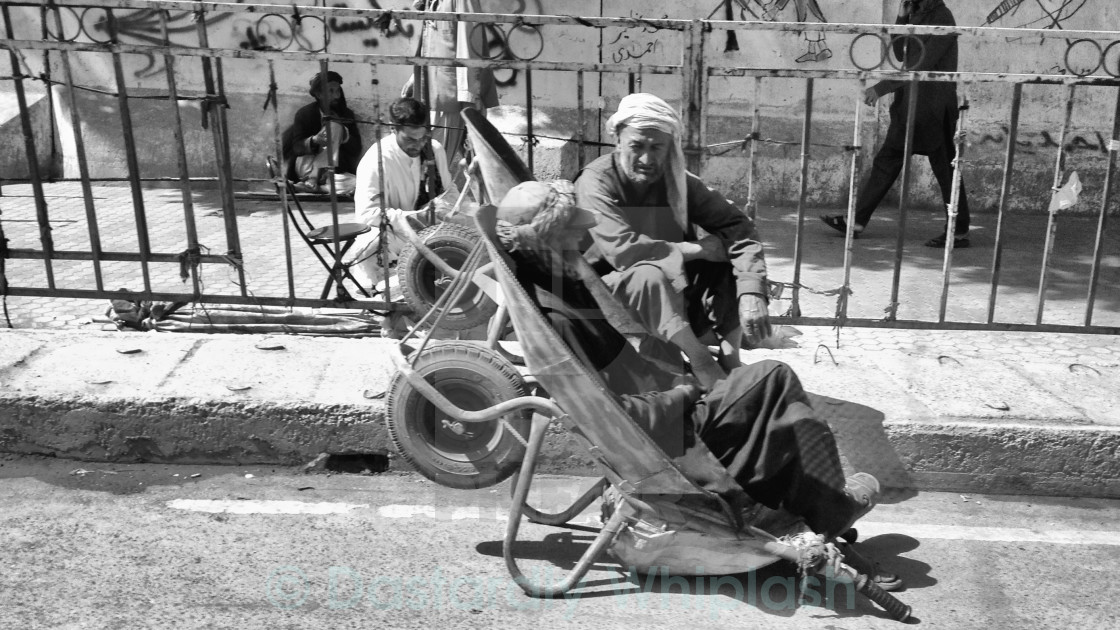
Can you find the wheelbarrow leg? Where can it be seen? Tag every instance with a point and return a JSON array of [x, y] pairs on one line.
[[520, 493]]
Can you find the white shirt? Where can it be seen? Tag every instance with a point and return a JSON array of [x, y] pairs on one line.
[[402, 187]]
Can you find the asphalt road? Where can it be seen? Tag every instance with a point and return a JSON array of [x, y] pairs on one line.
[[91, 545]]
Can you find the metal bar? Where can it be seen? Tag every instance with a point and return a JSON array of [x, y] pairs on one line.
[[336, 250], [1005, 194], [83, 163], [219, 131], [373, 14], [692, 66], [161, 296], [904, 192], [41, 214], [193, 249], [953, 208], [407, 60], [106, 256], [383, 224], [1102, 220], [282, 186], [592, 21], [924, 75], [806, 138], [756, 132], [398, 60], [853, 194], [580, 120], [130, 158], [1051, 221], [932, 325], [529, 116], [48, 82]]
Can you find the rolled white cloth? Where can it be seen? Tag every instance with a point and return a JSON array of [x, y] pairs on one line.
[[646, 111]]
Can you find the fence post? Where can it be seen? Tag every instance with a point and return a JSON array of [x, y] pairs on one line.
[[1004, 195], [1051, 221], [693, 73], [1102, 222]]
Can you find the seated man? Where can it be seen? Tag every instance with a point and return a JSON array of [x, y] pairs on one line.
[[412, 167], [306, 154], [757, 422], [646, 245]]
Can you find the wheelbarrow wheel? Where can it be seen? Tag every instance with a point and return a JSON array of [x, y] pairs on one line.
[[422, 283], [457, 454]]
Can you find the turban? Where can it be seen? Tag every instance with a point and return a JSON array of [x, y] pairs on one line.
[[646, 111], [532, 211], [316, 81]]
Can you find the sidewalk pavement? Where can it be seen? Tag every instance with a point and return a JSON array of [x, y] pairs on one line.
[[1009, 413], [969, 411]]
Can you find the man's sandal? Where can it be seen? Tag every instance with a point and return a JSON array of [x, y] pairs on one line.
[[883, 579], [959, 241], [840, 224]]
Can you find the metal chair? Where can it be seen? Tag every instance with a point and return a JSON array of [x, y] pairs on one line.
[[320, 237]]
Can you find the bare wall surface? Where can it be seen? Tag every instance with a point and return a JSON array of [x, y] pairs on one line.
[[730, 101]]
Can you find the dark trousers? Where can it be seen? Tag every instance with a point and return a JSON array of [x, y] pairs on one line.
[[887, 166], [759, 425]]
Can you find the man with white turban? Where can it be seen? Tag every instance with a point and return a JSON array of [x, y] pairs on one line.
[[684, 285]]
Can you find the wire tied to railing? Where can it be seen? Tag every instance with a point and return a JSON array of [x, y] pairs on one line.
[[271, 98]]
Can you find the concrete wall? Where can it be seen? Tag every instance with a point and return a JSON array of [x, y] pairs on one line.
[[782, 101]]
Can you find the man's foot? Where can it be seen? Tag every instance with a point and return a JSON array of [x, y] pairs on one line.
[[839, 223], [960, 241], [883, 579]]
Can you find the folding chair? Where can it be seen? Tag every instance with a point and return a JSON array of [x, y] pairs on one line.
[[658, 516], [320, 237]]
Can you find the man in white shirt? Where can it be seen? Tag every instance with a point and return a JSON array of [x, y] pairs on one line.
[[398, 178]]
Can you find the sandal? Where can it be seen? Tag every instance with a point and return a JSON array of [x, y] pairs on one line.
[[840, 224], [960, 241], [882, 578]]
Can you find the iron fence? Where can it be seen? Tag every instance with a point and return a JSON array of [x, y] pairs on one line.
[[67, 29]]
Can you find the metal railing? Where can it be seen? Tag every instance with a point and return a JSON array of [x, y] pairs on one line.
[[57, 45]]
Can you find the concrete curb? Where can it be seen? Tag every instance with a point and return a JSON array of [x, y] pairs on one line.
[[183, 397]]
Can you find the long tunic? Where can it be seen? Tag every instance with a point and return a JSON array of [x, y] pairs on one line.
[[635, 229]]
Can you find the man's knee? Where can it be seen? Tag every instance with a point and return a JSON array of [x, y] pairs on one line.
[[644, 279]]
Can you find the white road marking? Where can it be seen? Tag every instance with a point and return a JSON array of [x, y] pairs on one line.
[[867, 529], [924, 531], [262, 507]]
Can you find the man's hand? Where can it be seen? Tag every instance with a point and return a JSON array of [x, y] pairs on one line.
[[870, 96], [708, 248], [754, 317]]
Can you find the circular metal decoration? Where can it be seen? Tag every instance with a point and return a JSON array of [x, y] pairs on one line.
[[68, 17], [1104, 59], [525, 42], [921, 55], [97, 30], [274, 31], [304, 37], [1074, 44], [882, 51]]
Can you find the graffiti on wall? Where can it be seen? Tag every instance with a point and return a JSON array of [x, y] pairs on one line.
[[1034, 14], [771, 11], [140, 26], [633, 43], [1031, 143]]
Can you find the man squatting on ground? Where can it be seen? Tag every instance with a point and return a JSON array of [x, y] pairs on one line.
[[757, 421], [415, 175], [683, 285], [304, 143], [935, 121]]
